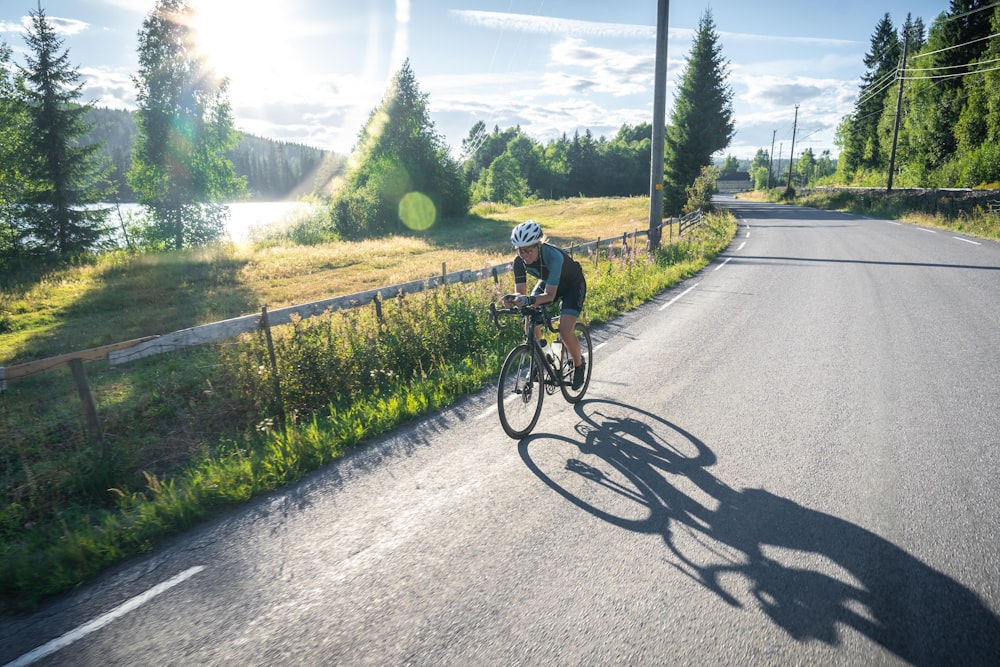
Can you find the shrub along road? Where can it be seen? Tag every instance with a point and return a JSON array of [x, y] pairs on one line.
[[789, 458]]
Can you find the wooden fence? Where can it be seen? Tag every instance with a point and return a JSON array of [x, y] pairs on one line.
[[124, 352]]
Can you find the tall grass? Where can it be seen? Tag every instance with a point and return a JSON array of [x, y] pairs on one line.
[[192, 432]]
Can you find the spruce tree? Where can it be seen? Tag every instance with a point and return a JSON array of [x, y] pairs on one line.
[[179, 166], [66, 179], [702, 119], [861, 149]]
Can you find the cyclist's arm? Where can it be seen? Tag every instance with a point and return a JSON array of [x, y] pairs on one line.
[[520, 277], [548, 296]]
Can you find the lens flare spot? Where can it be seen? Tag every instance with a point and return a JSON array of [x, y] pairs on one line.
[[417, 211]]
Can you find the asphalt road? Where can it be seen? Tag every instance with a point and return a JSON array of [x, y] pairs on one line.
[[791, 458]]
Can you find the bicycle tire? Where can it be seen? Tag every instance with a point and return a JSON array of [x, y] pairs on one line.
[[519, 395], [582, 332]]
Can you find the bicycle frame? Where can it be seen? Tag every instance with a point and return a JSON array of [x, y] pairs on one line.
[[532, 316], [527, 374]]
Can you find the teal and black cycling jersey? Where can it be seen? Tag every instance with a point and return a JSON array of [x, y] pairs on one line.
[[554, 266]]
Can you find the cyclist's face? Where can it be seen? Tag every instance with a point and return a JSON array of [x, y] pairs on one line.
[[527, 253]]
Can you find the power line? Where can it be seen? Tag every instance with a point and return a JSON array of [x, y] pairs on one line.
[[951, 76], [957, 46], [970, 12], [931, 69]]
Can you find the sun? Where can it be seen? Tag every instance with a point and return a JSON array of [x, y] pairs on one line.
[[243, 40]]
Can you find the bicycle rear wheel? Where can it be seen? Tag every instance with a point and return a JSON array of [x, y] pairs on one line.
[[520, 392], [582, 333]]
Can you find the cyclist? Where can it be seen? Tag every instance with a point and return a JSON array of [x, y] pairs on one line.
[[559, 277]]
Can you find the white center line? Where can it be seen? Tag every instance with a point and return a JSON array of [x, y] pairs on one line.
[[674, 300], [101, 621]]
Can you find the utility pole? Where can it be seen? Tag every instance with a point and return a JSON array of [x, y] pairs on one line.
[[899, 109], [791, 154], [659, 123], [770, 159], [781, 145]]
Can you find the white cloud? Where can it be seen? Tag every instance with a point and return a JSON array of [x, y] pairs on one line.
[[139, 6], [727, 37], [59, 25], [553, 25], [614, 71], [108, 87]]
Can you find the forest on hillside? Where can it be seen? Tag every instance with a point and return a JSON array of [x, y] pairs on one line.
[[275, 170]]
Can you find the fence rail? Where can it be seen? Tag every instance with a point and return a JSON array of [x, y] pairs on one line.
[[127, 351]]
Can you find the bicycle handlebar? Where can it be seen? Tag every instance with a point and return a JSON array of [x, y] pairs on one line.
[[538, 314]]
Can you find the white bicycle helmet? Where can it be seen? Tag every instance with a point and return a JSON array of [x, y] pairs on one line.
[[527, 233]]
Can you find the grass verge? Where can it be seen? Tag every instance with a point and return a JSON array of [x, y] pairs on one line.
[[190, 433], [960, 212]]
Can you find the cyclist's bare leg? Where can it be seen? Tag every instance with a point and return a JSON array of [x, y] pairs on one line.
[[569, 339]]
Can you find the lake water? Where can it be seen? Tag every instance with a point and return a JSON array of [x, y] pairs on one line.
[[246, 216]]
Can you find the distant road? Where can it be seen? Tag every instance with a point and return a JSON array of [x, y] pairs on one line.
[[791, 458]]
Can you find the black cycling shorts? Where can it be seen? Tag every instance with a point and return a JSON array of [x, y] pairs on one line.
[[572, 296]]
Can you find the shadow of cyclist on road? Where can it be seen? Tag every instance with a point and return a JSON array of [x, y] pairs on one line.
[[810, 572]]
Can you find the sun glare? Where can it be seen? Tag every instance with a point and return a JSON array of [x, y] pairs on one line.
[[243, 40]]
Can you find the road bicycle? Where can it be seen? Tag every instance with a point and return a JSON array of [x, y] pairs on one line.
[[529, 372]]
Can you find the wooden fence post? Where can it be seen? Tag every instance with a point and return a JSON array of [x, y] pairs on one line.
[[266, 325], [89, 406]]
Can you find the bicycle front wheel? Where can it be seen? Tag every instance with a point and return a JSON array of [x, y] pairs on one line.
[[582, 333], [520, 392]]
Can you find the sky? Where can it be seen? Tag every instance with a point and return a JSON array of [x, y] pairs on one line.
[[311, 71]]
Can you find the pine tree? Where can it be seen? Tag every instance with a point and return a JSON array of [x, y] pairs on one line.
[[702, 119], [860, 139], [179, 166], [67, 179]]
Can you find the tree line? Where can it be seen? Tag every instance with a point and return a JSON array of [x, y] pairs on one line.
[[404, 177], [180, 157], [185, 158], [928, 108], [274, 170]]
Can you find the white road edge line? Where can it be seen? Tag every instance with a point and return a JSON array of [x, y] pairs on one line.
[[676, 298], [929, 231], [723, 264], [959, 238], [898, 224], [101, 621], [742, 245]]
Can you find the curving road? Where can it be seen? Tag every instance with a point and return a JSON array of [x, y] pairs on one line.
[[792, 458]]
